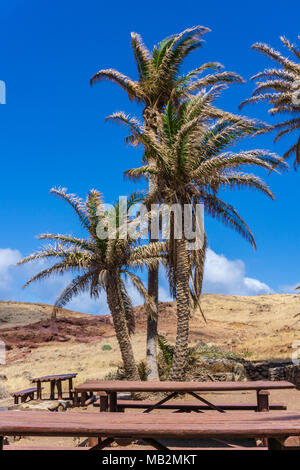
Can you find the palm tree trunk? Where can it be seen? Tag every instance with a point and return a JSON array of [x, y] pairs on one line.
[[119, 321], [152, 331], [183, 312], [152, 320]]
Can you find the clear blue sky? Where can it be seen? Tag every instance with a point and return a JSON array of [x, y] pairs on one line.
[[53, 131]]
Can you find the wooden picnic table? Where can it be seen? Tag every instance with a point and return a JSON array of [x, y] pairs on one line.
[[276, 426], [55, 381], [174, 388]]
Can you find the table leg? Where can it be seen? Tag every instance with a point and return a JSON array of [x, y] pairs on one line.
[[52, 388], [211, 405], [39, 390], [70, 388], [83, 398], [263, 406], [75, 398], [59, 389], [173, 395], [113, 401], [103, 402], [263, 400], [274, 444]]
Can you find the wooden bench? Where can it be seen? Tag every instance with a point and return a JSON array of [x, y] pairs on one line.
[[187, 406], [151, 428], [24, 394]]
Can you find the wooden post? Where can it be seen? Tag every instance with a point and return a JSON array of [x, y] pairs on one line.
[[16, 400], [113, 401], [39, 390], [70, 388], [52, 388], [263, 400], [59, 389], [103, 402]]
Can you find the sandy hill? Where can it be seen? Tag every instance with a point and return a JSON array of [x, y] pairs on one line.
[[263, 327]]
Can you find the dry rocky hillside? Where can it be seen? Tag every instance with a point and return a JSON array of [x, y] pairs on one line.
[[262, 327]]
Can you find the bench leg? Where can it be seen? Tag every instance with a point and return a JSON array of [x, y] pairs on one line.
[[16, 400]]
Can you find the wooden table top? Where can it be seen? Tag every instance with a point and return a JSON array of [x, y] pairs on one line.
[[166, 425], [168, 386], [48, 378]]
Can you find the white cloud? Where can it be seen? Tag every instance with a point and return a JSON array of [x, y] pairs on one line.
[[8, 259], [224, 276]]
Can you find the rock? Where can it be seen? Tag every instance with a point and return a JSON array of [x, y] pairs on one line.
[[3, 392], [239, 372], [43, 405]]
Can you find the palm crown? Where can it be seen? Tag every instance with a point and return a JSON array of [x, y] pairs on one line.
[[280, 87], [93, 258], [192, 164], [158, 71]]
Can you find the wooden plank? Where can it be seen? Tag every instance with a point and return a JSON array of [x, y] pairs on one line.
[[48, 378], [163, 425], [168, 386], [182, 404], [27, 391]]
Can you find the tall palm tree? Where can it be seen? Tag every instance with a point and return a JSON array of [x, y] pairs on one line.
[[191, 167], [158, 79], [101, 264], [280, 87]]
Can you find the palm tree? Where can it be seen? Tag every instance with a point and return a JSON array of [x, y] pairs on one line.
[[101, 264], [191, 167], [158, 80], [280, 87]]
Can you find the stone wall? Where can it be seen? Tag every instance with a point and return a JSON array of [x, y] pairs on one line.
[[273, 371]]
